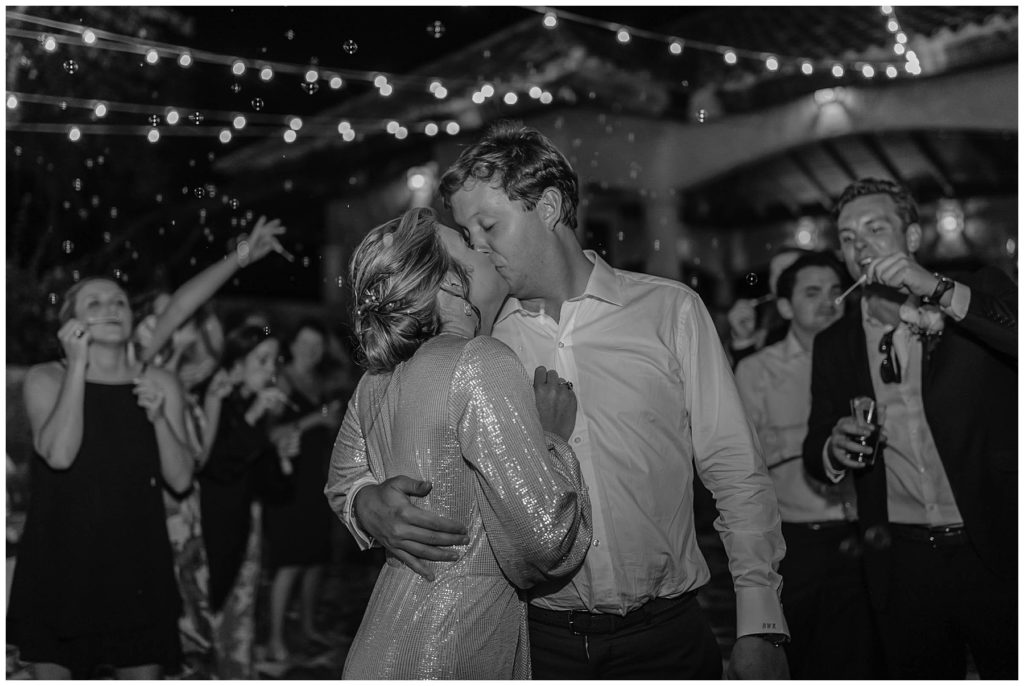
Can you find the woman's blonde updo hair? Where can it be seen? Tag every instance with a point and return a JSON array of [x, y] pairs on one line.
[[396, 273]]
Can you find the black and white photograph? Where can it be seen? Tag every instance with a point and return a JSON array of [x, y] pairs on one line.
[[487, 342]]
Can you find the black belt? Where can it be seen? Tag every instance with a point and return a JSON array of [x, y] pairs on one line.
[[937, 536], [581, 622]]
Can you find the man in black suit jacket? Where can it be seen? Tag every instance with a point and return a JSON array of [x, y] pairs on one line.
[[938, 508]]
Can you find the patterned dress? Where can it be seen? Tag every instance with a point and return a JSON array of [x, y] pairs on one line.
[[461, 414]]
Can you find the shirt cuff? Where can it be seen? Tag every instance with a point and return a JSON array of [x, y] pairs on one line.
[[834, 475], [759, 611], [349, 515], [960, 302]]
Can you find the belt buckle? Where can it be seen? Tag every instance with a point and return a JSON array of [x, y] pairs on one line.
[[572, 623]]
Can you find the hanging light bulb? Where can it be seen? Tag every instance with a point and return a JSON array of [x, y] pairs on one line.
[[772, 63], [152, 56], [100, 110], [153, 135], [266, 73], [729, 56], [807, 68], [622, 35], [89, 36], [675, 46], [238, 67], [185, 60], [550, 20]]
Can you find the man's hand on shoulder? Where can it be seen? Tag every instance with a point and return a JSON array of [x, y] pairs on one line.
[[755, 658], [386, 513]]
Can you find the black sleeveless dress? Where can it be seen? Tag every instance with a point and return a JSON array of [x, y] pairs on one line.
[[94, 580], [298, 526]]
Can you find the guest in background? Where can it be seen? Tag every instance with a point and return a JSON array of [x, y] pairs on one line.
[[937, 509], [746, 334], [95, 582], [240, 465], [824, 594], [298, 527]]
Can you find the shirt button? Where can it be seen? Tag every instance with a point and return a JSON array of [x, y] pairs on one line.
[[596, 542], [577, 440], [561, 344]]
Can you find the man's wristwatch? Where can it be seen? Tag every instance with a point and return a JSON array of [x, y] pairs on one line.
[[777, 640], [945, 284]]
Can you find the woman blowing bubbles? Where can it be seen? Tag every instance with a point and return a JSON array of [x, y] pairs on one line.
[[95, 583], [445, 402]]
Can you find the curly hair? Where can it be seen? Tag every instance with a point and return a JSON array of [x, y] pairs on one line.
[[522, 162], [906, 208], [396, 273]]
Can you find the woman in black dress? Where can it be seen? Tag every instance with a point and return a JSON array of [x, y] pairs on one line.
[[298, 527], [94, 583], [241, 464]]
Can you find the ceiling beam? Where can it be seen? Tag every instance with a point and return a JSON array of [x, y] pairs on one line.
[[826, 197], [934, 162], [875, 147], [837, 157]]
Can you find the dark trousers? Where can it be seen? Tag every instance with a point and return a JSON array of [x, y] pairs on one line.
[[676, 643], [825, 599], [943, 601]]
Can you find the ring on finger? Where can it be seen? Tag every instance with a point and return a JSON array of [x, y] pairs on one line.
[[79, 333]]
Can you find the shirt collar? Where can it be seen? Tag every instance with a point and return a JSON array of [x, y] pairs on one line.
[[603, 284]]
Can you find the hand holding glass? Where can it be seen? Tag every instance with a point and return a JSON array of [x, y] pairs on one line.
[[865, 410]]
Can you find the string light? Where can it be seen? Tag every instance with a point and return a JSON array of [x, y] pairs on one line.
[[730, 57], [622, 35], [224, 136], [868, 71], [550, 20], [675, 46], [430, 129], [290, 136], [336, 82], [452, 128], [295, 123], [380, 81], [441, 93], [348, 136], [74, 134], [487, 90], [535, 92], [392, 126], [891, 71], [312, 76], [838, 71], [12, 102], [88, 36], [386, 90], [401, 133], [807, 68], [771, 64], [185, 60], [152, 56], [546, 98], [266, 73], [344, 126], [478, 98], [100, 110], [172, 117], [153, 135], [511, 98], [239, 122], [238, 67]]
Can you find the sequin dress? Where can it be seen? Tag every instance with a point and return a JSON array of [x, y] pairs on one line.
[[461, 414]]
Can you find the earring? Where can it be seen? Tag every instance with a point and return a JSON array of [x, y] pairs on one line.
[[467, 310]]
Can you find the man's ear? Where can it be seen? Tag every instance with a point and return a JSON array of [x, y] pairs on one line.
[[550, 206], [914, 235], [785, 308]]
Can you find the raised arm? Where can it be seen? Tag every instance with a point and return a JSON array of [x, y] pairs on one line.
[[383, 512], [534, 505], [201, 287]]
